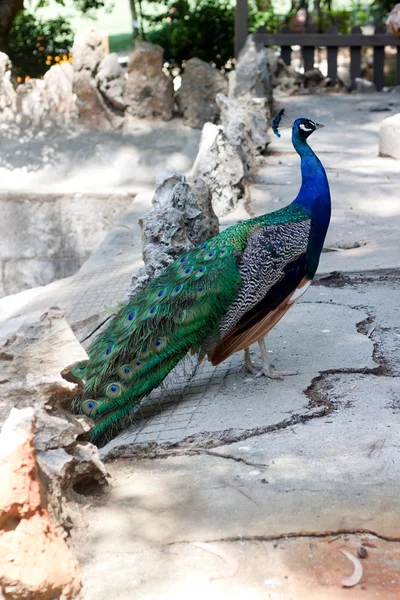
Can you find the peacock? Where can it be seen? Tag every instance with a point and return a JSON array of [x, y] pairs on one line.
[[217, 299]]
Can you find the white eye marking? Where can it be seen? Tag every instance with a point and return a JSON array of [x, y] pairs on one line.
[[304, 128]]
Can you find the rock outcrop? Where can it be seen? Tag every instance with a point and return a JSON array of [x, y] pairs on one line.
[[111, 81], [176, 223], [393, 21], [251, 77], [93, 109], [196, 98], [148, 90], [36, 563], [8, 94], [389, 137], [219, 164], [245, 127], [31, 365]]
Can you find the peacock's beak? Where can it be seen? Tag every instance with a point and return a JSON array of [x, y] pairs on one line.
[[319, 125]]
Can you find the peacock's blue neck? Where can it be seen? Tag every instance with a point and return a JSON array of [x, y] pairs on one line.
[[314, 195]]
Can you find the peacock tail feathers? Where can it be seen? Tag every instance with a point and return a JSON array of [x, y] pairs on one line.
[[178, 311]]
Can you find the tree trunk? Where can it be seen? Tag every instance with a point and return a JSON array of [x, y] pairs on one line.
[[8, 11], [135, 22]]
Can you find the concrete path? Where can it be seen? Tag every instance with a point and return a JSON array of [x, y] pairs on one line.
[[277, 475], [96, 161]]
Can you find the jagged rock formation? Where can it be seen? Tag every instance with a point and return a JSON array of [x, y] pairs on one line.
[[180, 219], [196, 97]]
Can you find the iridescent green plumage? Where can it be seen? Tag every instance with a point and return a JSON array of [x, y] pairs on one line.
[[177, 311]]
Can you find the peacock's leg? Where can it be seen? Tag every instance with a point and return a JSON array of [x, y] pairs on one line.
[[248, 365], [267, 369]]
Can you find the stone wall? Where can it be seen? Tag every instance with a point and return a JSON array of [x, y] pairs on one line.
[[49, 236]]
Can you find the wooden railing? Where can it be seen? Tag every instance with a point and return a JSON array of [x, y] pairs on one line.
[[331, 40]]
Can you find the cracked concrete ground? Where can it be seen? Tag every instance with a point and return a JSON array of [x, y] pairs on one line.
[[307, 459]]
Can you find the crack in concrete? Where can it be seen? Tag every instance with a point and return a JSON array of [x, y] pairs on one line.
[[197, 443], [336, 533], [292, 535], [230, 457]]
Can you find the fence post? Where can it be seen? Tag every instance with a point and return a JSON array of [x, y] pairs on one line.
[[355, 57], [286, 51], [241, 25], [332, 57], [379, 61]]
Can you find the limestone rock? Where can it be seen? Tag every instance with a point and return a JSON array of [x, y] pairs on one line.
[[8, 94], [203, 196], [393, 21], [219, 164], [284, 79], [148, 91], [31, 363], [111, 81], [59, 89], [196, 97], [47, 101], [364, 86], [389, 137], [314, 79], [175, 224], [87, 52], [33, 104], [344, 77], [36, 562], [245, 126], [92, 109], [251, 76]]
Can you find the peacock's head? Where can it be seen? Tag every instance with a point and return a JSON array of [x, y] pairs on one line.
[[305, 127], [301, 128]]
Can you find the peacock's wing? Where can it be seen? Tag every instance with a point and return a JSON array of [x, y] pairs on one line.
[[149, 336], [273, 274]]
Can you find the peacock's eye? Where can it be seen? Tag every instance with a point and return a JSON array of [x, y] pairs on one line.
[[91, 405], [131, 316], [109, 350], [160, 293], [183, 259]]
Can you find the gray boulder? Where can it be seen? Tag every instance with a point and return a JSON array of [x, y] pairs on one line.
[[393, 21], [196, 97], [245, 126], [364, 86], [8, 94], [148, 91], [285, 80], [59, 90], [389, 137], [92, 109], [33, 103], [87, 52], [175, 224], [251, 77], [110, 80], [219, 164]]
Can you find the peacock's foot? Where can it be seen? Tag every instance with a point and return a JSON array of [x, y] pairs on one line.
[[248, 365], [272, 373]]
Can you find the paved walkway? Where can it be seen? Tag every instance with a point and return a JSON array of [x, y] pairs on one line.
[[278, 475]]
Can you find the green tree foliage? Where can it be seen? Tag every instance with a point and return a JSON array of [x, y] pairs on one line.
[[35, 44], [205, 29]]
